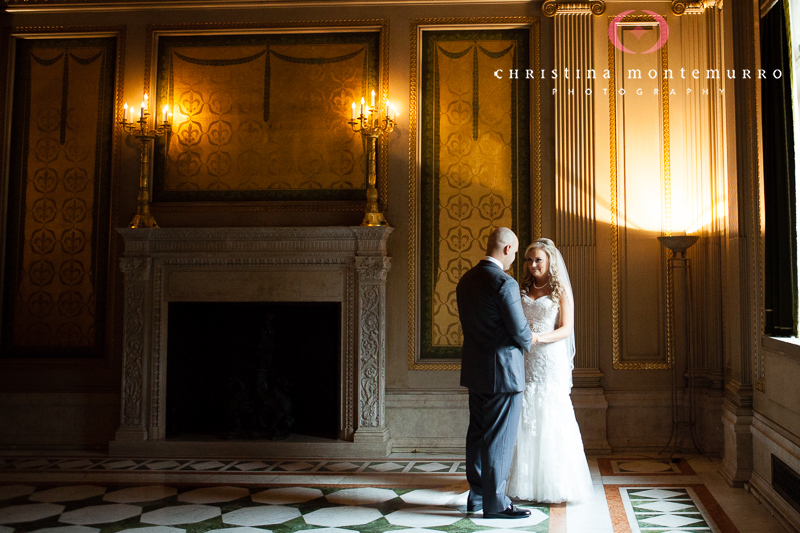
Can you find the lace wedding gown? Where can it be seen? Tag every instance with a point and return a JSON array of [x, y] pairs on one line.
[[549, 464]]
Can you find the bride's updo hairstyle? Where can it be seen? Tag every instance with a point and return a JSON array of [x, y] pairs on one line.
[[549, 248]]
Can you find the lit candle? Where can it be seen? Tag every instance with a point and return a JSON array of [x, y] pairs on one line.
[[362, 106], [146, 102], [394, 114], [164, 113], [354, 111], [141, 112], [125, 113], [373, 99]]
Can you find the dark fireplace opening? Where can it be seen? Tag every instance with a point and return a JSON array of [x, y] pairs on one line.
[[253, 370]]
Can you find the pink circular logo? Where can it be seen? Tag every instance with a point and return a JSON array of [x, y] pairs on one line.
[[662, 37]]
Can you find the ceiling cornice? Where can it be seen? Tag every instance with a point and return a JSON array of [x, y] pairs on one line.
[[50, 6]]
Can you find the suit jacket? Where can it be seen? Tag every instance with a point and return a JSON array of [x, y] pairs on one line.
[[495, 330]]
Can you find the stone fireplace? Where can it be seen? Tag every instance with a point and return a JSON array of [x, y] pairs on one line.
[[347, 265]]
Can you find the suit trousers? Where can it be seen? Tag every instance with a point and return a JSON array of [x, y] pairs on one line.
[[492, 434]]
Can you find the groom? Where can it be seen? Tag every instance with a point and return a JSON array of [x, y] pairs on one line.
[[492, 368]]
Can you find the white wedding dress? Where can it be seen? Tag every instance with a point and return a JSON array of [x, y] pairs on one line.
[[549, 464]]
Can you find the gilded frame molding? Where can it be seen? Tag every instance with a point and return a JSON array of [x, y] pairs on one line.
[[417, 26], [318, 26], [8, 47], [616, 328]]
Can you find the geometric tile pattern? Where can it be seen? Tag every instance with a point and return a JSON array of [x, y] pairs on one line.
[[329, 466], [253, 509], [668, 508]]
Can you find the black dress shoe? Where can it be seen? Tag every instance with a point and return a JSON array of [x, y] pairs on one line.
[[474, 508], [510, 512]]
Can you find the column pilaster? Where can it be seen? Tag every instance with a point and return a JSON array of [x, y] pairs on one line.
[[372, 267], [575, 222], [743, 268], [133, 419]]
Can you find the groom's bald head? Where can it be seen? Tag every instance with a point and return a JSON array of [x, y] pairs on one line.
[[499, 239], [503, 246]]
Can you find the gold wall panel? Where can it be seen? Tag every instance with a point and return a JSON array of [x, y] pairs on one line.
[[57, 245], [260, 115], [642, 306], [473, 170]]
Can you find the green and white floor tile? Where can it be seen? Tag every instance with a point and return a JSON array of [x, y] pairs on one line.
[[236, 509], [412, 493], [659, 510]]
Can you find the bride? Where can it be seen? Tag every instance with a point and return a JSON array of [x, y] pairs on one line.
[[548, 464]]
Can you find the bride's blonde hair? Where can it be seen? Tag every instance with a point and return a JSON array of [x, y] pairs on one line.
[[556, 286]]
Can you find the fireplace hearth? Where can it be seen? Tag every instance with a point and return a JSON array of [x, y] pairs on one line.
[[253, 370]]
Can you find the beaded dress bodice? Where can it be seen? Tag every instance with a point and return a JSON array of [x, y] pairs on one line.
[[547, 363]]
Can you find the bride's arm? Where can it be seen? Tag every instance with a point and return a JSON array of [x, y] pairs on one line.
[[565, 328]]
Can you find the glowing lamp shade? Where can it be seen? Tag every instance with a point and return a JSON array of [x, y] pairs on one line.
[[678, 243]]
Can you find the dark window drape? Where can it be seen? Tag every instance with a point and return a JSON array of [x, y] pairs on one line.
[[780, 280]]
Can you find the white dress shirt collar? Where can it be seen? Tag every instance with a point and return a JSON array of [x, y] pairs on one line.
[[493, 260]]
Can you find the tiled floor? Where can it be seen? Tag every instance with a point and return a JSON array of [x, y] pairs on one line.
[[409, 493]]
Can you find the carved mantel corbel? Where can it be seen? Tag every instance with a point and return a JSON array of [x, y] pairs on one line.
[[681, 7], [552, 8]]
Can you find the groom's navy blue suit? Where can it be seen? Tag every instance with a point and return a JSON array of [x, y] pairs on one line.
[[492, 368]]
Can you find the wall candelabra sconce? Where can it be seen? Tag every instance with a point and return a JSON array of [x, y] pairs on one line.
[[141, 130], [678, 244], [372, 124]]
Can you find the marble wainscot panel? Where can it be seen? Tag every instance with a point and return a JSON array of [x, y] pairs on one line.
[[426, 419], [770, 439], [775, 430], [328, 264], [641, 420]]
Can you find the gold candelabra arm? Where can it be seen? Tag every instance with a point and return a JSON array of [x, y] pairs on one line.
[[140, 128], [371, 124]]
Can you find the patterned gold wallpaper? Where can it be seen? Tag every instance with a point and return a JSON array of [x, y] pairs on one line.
[[264, 117], [475, 166], [58, 202]]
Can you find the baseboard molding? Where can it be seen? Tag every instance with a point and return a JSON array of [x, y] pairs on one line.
[[443, 445]]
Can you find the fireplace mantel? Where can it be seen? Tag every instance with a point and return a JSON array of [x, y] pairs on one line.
[[344, 264]]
